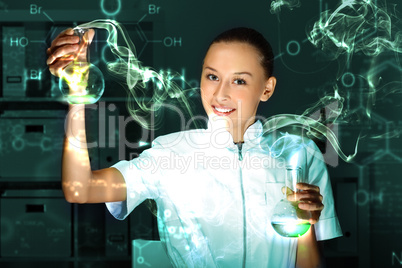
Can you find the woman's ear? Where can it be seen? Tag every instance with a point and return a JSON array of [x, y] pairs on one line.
[[269, 88]]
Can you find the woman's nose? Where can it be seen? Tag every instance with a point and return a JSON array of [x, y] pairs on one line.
[[222, 92]]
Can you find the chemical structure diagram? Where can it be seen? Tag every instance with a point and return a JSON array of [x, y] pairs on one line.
[[353, 84], [17, 42], [361, 98]]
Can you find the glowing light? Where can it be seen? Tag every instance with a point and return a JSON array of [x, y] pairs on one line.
[[292, 228], [278, 4], [313, 128], [118, 185], [109, 13], [143, 143], [167, 213], [101, 183], [294, 160], [81, 82], [142, 99], [356, 26]]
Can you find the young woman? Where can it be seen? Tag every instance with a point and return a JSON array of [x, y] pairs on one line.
[[215, 188]]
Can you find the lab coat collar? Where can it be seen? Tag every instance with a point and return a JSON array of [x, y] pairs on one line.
[[220, 136]]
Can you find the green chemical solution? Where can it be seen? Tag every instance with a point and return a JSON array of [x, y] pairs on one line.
[[291, 229], [83, 99]]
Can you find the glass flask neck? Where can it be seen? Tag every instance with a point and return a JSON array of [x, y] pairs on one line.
[[293, 176], [82, 54]]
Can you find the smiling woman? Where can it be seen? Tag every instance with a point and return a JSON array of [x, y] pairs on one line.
[[233, 84], [213, 213], [236, 76]]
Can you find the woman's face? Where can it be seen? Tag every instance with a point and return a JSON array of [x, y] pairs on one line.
[[233, 83]]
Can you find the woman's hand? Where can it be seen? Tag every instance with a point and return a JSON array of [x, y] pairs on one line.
[[309, 198], [61, 52]]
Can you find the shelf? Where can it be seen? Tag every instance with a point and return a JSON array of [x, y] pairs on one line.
[[30, 183], [59, 100], [64, 259]]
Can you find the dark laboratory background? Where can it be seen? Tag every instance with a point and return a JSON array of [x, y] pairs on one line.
[[40, 229]]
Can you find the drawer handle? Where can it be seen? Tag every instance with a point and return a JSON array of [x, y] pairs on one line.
[[34, 128], [34, 208]]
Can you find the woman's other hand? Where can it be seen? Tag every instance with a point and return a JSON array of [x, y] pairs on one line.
[[310, 199]]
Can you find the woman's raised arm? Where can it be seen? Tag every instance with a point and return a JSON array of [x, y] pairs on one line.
[[80, 184]]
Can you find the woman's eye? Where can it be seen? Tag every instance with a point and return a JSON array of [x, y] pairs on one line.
[[212, 77], [239, 82]]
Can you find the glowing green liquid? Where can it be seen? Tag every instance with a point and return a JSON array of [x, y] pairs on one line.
[[84, 99], [291, 229]]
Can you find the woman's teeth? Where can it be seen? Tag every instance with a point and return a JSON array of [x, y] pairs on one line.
[[222, 110]]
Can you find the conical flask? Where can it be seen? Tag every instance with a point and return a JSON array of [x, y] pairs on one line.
[[82, 82], [288, 220]]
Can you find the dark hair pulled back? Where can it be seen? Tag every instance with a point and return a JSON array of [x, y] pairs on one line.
[[253, 38]]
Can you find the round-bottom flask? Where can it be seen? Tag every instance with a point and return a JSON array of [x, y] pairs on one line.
[[288, 220], [82, 82]]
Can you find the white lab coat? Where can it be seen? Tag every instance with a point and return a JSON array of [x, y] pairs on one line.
[[215, 202]]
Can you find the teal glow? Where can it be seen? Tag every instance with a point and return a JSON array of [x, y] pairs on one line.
[[143, 143], [356, 26], [143, 100], [277, 5], [108, 13], [82, 82]]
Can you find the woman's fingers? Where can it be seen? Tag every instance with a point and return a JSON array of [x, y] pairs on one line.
[[68, 31], [308, 195], [65, 47], [305, 186], [313, 220], [65, 40], [311, 206], [58, 66], [305, 196], [65, 43], [65, 37], [90, 35], [61, 53], [309, 199]]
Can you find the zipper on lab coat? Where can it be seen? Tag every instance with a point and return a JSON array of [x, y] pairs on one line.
[[239, 147]]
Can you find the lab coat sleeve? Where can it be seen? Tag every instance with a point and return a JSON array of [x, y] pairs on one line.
[[328, 225], [141, 176]]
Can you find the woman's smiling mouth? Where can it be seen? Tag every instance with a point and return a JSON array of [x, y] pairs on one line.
[[222, 111]]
